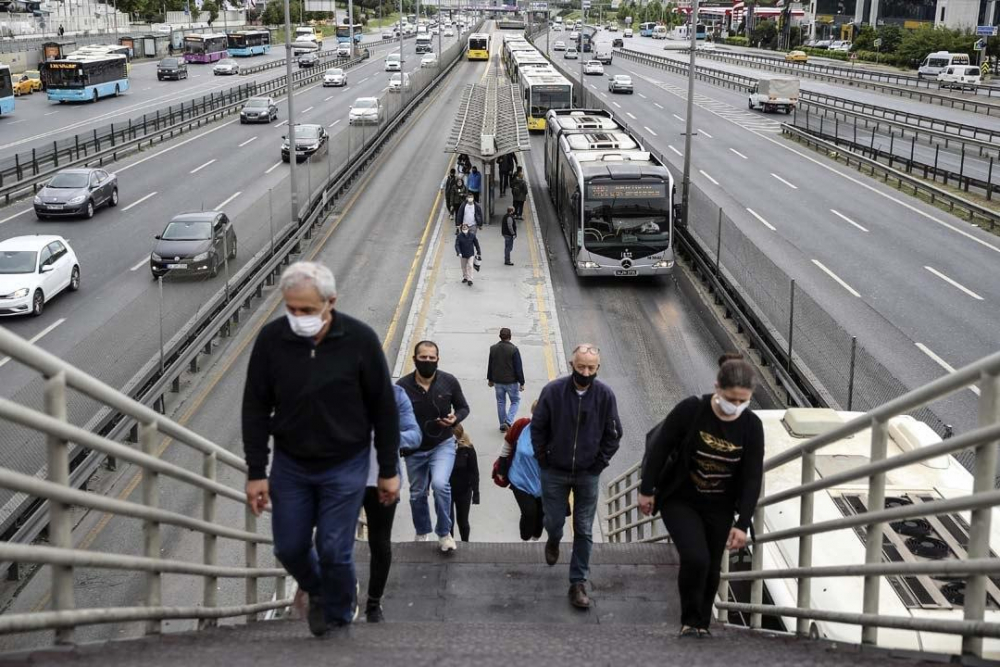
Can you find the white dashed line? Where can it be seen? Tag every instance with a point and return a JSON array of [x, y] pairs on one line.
[[617, 105], [273, 167], [333, 123], [38, 336], [284, 122], [197, 169], [51, 113], [739, 153], [678, 117], [762, 220], [629, 114], [657, 105], [942, 363], [327, 99], [138, 201], [643, 96], [11, 217], [227, 201], [650, 130], [846, 219], [308, 109], [250, 140], [708, 177], [954, 283], [833, 275], [676, 151], [141, 263], [793, 187], [701, 131]]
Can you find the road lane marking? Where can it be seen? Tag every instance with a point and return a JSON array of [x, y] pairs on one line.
[[836, 277], [38, 336], [172, 147], [51, 113], [739, 153], [197, 169], [138, 201], [307, 110], [327, 99], [763, 221], [679, 154], [617, 105], [943, 364], [650, 130], [708, 177], [284, 122], [11, 217], [604, 95], [629, 114], [142, 262], [846, 219], [658, 105], [701, 131], [954, 283], [273, 167], [364, 79], [643, 96], [678, 117], [227, 201], [334, 122], [793, 187], [251, 139]]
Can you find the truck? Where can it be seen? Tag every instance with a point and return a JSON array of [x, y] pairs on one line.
[[773, 93], [424, 43]]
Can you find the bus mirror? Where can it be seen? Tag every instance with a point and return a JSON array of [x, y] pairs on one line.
[[679, 215]]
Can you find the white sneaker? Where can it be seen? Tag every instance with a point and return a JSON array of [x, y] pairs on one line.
[[422, 537], [357, 592], [447, 543]]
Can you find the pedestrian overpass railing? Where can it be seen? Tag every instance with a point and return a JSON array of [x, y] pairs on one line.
[[624, 522], [56, 433]]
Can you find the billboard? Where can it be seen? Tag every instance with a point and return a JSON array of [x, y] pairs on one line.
[[320, 6]]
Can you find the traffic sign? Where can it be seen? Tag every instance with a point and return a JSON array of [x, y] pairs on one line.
[[980, 45], [986, 31], [984, 69], [877, 43], [586, 4], [854, 56]]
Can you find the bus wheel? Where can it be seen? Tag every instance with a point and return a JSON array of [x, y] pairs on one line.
[[117, 90], [95, 94]]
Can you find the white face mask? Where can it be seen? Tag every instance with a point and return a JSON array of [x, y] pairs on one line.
[[730, 409], [306, 326]]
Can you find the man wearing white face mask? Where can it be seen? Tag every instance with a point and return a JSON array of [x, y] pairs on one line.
[[319, 385], [704, 464]]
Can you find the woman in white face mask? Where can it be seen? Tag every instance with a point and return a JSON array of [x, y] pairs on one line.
[[703, 466]]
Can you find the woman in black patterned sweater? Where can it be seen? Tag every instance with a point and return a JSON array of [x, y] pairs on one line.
[[703, 466]]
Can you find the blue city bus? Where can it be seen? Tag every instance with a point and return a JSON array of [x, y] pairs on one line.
[[344, 33], [248, 43], [701, 32], [85, 78], [646, 29], [6, 91]]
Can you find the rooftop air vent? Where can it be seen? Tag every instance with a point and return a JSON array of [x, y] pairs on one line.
[[810, 422]]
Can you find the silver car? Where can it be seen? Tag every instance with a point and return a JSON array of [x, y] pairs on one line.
[[365, 111], [620, 83], [226, 66], [399, 81], [334, 76], [76, 192]]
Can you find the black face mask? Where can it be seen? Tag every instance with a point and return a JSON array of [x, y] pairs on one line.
[[583, 380], [427, 369]]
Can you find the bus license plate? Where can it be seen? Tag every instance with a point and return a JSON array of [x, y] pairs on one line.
[[626, 272], [177, 266]]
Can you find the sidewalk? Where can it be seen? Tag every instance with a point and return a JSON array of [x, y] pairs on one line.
[[465, 321]]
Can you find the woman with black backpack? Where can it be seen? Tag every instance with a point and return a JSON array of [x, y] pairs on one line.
[[704, 464]]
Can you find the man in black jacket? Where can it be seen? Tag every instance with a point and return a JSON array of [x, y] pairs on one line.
[[438, 404], [319, 385], [575, 430], [506, 164], [508, 228], [505, 374]]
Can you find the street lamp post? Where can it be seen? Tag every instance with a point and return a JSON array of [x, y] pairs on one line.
[[350, 23], [291, 112], [689, 124], [579, 54]]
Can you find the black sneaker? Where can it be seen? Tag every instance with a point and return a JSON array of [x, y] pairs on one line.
[[687, 632], [551, 552], [373, 613], [578, 596], [469, 283], [465, 280], [317, 622], [504, 426]]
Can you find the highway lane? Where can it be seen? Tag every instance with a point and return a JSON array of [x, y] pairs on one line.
[[808, 216], [379, 229]]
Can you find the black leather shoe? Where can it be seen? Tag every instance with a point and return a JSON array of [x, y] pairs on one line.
[[578, 596], [373, 614], [317, 622], [551, 552]]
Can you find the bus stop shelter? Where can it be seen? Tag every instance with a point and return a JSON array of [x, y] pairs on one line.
[[490, 123]]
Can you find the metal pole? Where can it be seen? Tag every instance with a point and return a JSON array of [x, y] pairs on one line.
[[400, 41], [151, 529], [159, 282], [59, 513], [873, 532], [850, 379], [270, 208], [210, 543], [350, 22], [291, 113], [689, 125], [804, 597], [791, 326]]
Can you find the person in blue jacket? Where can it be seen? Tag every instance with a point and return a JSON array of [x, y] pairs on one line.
[[474, 183], [380, 517]]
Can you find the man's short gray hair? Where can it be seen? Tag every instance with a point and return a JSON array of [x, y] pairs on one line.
[[301, 274]]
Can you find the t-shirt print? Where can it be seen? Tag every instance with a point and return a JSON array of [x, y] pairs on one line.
[[714, 462]]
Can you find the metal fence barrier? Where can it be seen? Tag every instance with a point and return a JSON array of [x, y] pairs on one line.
[[626, 524]]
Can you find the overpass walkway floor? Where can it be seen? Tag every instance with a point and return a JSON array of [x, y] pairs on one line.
[[489, 604]]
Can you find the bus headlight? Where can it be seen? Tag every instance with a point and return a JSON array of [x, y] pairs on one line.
[[587, 264], [664, 264]]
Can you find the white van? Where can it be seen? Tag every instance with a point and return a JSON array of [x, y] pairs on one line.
[[660, 32], [937, 62], [961, 77], [627, 32]]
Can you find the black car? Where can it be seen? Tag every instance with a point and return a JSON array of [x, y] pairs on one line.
[[172, 68], [259, 110], [76, 192], [309, 140], [618, 41], [194, 243], [308, 60]]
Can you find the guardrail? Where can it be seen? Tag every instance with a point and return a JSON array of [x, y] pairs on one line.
[[324, 61], [625, 523], [215, 319]]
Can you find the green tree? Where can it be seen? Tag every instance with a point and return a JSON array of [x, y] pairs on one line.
[[765, 35], [212, 9], [916, 44], [864, 40], [891, 36]]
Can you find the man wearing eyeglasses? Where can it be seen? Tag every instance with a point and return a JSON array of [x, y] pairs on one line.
[[438, 405], [575, 430]]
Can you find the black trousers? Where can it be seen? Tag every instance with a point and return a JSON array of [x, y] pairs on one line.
[[380, 520], [531, 514], [504, 181], [519, 208], [461, 503], [700, 532]]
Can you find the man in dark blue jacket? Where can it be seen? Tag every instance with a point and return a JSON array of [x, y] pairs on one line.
[[575, 431]]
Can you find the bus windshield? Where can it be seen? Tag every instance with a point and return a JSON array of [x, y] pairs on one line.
[[478, 43], [626, 212], [6, 87], [544, 98], [64, 75], [344, 31]]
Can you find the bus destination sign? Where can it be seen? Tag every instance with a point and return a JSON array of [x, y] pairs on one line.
[[626, 190]]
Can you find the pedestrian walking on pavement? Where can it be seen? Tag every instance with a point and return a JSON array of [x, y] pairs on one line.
[[508, 227], [505, 374], [379, 516], [464, 482], [704, 464], [474, 183], [468, 250], [447, 186], [519, 466], [506, 165], [318, 384], [456, 195], [575, 430], [469, 213], [439, 405], [519, 192], [464, 164]]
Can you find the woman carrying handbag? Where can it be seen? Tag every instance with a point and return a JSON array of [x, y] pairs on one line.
[[703, 466]]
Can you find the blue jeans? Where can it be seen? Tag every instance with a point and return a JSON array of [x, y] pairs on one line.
[[329, 500], [556, 486], [431, 470], [502, 392], [508, 245]]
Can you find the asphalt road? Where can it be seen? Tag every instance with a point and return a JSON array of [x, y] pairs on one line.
[[911, 282]]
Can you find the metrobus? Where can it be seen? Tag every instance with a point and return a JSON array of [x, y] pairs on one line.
[[85, 78], [207, 48], [646, 29], [6, 91], [613, 200], [249, 43], [479, 46], [344, 33], [98, 49], [543, 89], [512, 45], [524, 61]]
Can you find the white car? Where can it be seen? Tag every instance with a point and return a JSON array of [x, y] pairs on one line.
[[334, 77], [593, 67], [388, 34], [393, 63], [448, 32], [571, 54], [960, 76], [705, 46], [365, 111], [33, 270], [344, 51], [559, 46], [620, 83], [429, 60], [399, 81], [226, 66]]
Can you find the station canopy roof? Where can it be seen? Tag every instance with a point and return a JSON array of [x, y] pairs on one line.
[[490, 121]]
